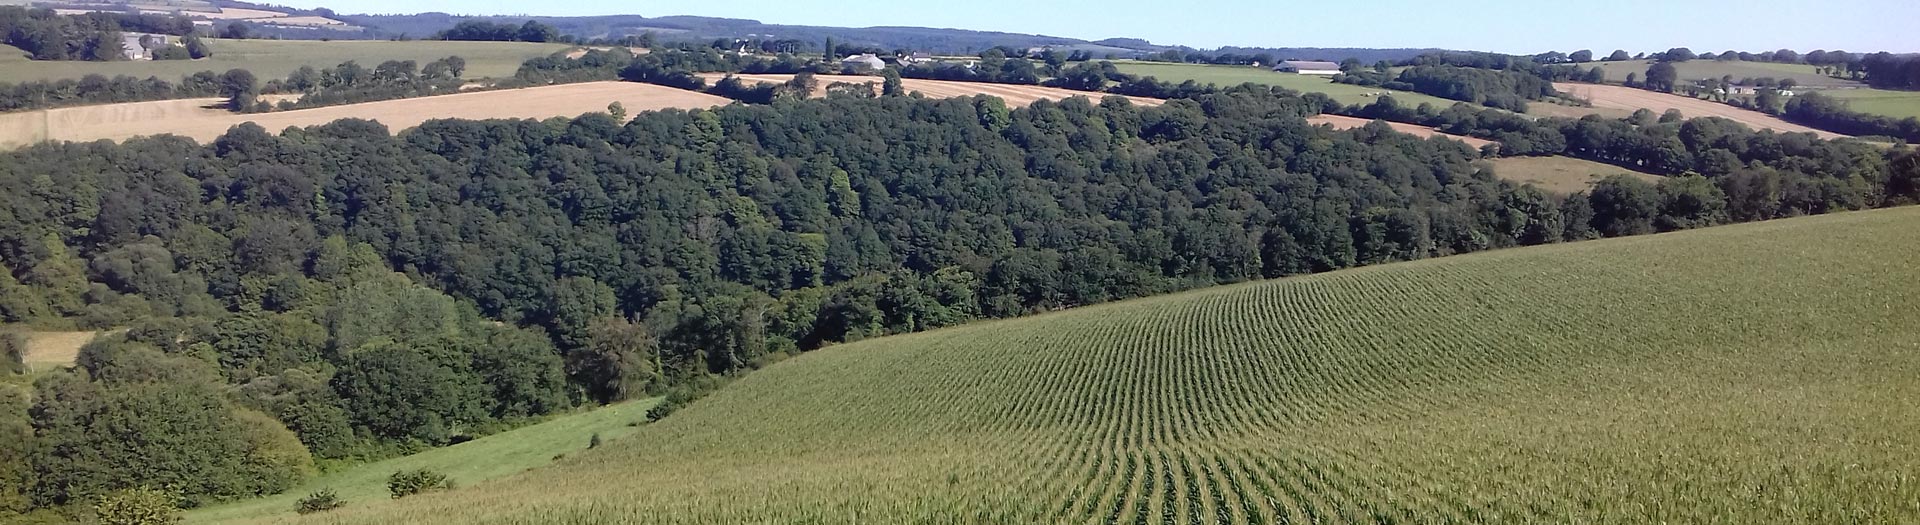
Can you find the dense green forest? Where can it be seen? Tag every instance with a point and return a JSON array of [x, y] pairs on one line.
[[342, 293]]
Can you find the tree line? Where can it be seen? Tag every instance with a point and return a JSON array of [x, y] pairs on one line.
[[99, 89], [352, 83], [484, 31]]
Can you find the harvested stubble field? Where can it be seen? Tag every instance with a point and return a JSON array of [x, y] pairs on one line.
[[1345, 122], [193, 118], [1015, 95], [1760, 373], [1630, 99]]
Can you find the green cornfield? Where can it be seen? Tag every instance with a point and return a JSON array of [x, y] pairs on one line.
[[1760, 373]]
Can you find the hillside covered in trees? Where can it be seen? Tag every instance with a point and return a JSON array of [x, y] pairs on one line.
[[341, 293]]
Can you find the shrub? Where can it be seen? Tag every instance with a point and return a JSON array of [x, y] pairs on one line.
[[137, 506], [13, 353], [322, 501], [409, 482]]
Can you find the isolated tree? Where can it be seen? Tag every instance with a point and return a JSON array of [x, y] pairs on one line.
[[1619, 55], [648, 40], [236, 31], [196, 47], [1787, 56], [1788, 83], [240, 88], [1596, 75], [1678, 54], [1633, 80], [1662, 76], [891, 84], [1582, 56]]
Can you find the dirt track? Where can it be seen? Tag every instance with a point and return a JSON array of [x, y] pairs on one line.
[[192, 118], [1342, 122], [1015, 95], [1630, 99]]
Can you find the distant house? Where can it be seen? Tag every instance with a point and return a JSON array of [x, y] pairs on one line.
[[1306, 67], [140, 46], [918, 57], [864, 62]]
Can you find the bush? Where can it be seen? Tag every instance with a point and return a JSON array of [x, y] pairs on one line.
[[13, 353], [137, 506], [409, 482], [322, 501]]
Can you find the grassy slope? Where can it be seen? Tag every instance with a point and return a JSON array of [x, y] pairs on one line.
[[1897, 104], [1759, 373], [466, 463], [276, 58], [1236, 75], [1560, 175]]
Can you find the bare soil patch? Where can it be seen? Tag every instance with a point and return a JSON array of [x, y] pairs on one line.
[[1344, 122], [1630, 99]]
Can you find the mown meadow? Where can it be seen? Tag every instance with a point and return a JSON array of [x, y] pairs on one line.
[[1757, 373]]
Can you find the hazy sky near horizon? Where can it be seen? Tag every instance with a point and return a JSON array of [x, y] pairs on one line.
[[1509, 26]]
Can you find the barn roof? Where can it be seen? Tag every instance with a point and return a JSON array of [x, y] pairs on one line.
[[1310, 64]]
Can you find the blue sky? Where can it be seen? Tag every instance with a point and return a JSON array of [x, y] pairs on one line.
[[1509, 26]]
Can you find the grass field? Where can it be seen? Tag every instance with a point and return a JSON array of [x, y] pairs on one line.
[[1760, 373], [1560, 175], [271, 59], [1235, 75], [482, 459], [1801, 74], [1897, 104]]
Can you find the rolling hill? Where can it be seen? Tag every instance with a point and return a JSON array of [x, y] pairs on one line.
[[1759, 373]]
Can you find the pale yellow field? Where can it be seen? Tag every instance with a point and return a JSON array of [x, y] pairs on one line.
[[1015, 95], [195, 119], [229, 13], [303, 21], [49, 350], [1344, 122], [1560, 175], [1630, 99]]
